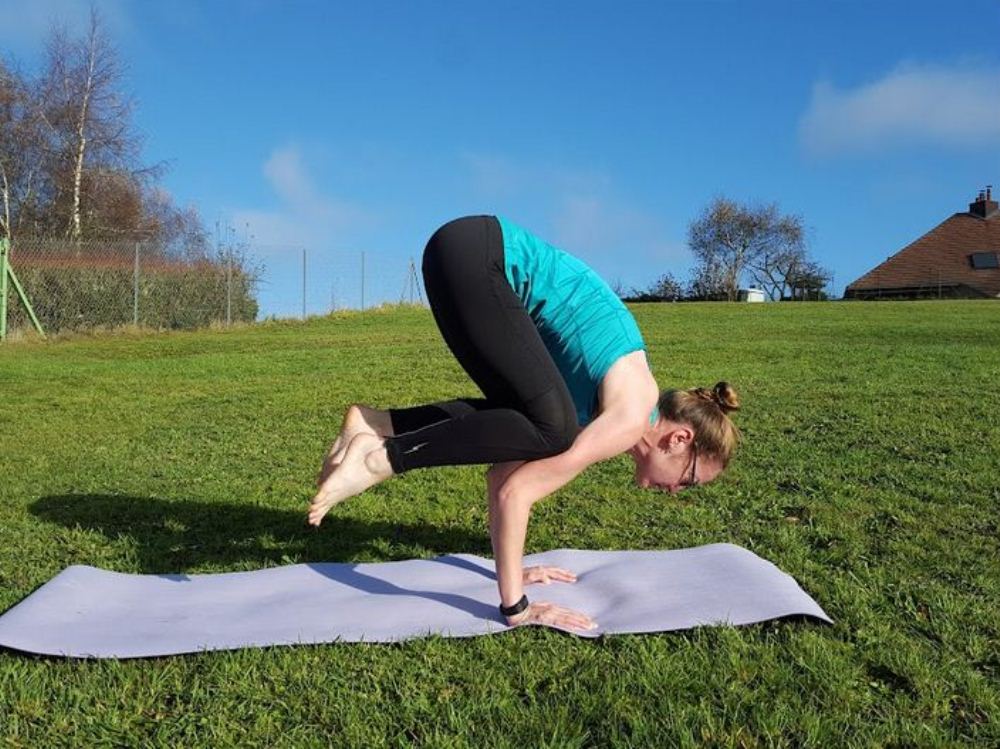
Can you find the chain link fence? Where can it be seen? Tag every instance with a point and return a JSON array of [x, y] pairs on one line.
[[108, 284], [298, 283]]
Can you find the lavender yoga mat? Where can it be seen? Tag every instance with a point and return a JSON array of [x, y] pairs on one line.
[[91, 613]]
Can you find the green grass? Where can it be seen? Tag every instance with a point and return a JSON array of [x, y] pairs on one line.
[[870, 472]]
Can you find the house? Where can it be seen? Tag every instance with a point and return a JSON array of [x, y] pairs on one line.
[[959, 258]]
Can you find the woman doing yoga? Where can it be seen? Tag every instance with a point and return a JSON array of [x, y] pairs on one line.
[[563, 368]]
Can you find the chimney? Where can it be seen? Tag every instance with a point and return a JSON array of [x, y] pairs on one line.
[[984, 206]]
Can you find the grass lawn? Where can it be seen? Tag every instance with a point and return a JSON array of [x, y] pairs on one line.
[[870, 472]]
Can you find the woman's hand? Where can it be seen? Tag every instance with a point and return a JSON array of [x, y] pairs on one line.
[[545, 575], [542, 612]]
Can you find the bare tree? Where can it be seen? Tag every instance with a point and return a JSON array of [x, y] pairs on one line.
[[808, 281], [21, 151], [729, 239], [774, 269], [11, 109], [181, 231], [664, 289], [87, 117], [70, 158], [667, 288], [709, 282]]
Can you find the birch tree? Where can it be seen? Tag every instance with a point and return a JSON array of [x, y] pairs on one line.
[[87, 117], [70, 157]]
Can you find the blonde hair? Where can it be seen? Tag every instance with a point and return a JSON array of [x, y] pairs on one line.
[[705, 410]]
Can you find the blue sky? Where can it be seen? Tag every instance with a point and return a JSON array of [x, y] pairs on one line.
[[604, 127]]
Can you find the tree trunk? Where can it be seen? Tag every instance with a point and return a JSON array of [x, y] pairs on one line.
[[81, 134], [5, 221]]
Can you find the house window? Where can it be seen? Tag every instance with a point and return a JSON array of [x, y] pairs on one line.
[[983, 260]]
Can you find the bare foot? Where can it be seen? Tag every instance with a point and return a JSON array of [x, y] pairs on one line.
[[365, 464], [359, 419]]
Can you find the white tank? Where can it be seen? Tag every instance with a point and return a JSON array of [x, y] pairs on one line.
[[750, 295]]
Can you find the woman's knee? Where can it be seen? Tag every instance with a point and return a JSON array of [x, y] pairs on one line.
[[561, 440], [451, 236], [498, 473], [555, 416]]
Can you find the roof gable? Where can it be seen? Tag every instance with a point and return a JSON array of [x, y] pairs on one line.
[[941, 257]]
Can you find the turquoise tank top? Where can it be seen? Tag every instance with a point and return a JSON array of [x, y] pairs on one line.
[[582, 322]]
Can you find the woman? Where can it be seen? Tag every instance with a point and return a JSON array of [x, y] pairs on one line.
[[563, 369]]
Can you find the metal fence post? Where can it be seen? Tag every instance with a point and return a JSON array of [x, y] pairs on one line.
[[6, 272], [229, 287], [362, 280], [4, 249], [303, 283], [135, 289]]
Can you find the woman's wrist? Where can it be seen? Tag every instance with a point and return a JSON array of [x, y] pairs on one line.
[[516, 608], [518, 618]]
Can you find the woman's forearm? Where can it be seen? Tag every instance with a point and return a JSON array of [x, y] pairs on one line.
[[494, 517], [511, 500], [508, 528]]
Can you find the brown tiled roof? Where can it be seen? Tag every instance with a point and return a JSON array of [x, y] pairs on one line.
[[941, 256]]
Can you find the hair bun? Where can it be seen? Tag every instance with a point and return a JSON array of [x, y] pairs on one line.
[[725, 397]]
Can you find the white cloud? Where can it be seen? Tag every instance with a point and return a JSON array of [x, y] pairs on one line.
[[913, 104], [602, 228], [584, 214], [331, 229], [306, 216], [498, 176]]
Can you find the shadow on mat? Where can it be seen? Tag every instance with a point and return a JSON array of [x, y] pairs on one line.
[[351, 575], [179, 535]]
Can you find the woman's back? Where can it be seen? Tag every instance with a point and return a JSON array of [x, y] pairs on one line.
[[582, 322]]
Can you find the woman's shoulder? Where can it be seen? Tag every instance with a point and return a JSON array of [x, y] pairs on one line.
[[629, 385]]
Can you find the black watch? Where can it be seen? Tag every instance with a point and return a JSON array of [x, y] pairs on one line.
[[517, 608]]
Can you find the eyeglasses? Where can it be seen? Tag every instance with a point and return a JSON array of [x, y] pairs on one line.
[[692, 480]]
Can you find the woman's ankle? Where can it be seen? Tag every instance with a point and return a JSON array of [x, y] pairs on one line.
[[377, 420]]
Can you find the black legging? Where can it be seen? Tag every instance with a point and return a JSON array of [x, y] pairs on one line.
[[528, 412]]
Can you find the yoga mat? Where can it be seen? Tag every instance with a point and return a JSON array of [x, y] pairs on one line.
[[86, 612]]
